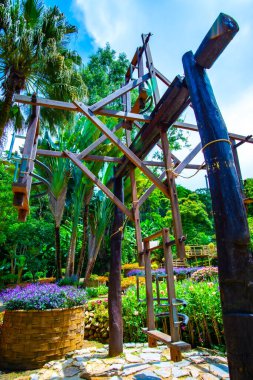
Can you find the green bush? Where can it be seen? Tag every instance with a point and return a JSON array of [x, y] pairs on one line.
[[71, 281], [205, 274], [101, 290], [203, 308]]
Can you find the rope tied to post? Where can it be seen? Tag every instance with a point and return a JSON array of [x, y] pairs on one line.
[[171, 171], [215, 141], [120, 229]]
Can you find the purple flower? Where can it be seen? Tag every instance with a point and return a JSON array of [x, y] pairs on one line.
[[42, 297]]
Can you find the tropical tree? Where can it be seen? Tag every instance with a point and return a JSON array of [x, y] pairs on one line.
[[34, 57]]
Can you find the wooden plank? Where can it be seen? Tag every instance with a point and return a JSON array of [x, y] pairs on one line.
[[150, 66], [54, 153], [153, 236], [168, 261], [99, 184], [162, 77], [194, 128], [128, 153], [176, 218], [99, 141], [123, 115], [171, 105], [56, 104], [149, 294], [121, 91], [177, 170], [158, 335]]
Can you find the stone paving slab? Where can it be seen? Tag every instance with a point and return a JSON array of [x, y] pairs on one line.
[[138, 362]]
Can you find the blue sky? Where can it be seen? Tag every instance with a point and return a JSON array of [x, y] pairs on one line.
[[177, 26]]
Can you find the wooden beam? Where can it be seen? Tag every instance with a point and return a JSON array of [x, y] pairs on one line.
[[121, 91], [56, 104], [177, 170], [216, 40], [171, 105], [162, 77], [150, 66], [176, 218], [128, 153], [99, 184], [99, 141], [194, 128]]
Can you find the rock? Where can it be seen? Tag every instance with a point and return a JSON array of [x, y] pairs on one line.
[[133, 358], [49, 375], [150, 357], [129, 345], [95, 369], [220, 370], [71, 371], [82, 358], [182, 364], [34, 376], [165, 354], [194, 371], [130, 369], [153, 349], [197, 359], [146, 375], [67, 363], [208, 376], [116, 367], [163, 372], [114, 361], [177, 372], [163, 364]]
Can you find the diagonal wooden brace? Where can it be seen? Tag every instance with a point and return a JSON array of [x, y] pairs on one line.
[[99, 184], [115, 140]]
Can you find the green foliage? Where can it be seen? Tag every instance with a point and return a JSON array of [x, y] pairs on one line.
[[68, 281], [101, 290], [104, 73]]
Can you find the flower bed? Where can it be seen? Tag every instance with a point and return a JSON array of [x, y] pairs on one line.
[[49, 325]]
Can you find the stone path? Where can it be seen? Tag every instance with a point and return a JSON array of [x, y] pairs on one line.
[[138, 362]]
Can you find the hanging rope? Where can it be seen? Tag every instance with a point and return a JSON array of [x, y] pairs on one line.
[[120, 229], [215, 141]]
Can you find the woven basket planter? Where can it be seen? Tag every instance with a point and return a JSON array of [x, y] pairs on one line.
[[31, 338]]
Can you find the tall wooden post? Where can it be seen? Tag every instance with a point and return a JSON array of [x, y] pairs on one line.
[[149, 294], [232, 233], [176, 218], [114, 296]]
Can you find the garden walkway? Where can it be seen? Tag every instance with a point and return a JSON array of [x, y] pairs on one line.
[[138, 362]]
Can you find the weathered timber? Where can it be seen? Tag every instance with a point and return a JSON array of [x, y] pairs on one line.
[[99, 184], [237, 165], [121, 91], [127, 151], [149, 293], [162, 77], [170, 106], [194, 128], [177, 170], [218, 37], [99, 141], [232, 233], [170, 176], [57, 104], [22, 187], [150, 66], [114, 296]]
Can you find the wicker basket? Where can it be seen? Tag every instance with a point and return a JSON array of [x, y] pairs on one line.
[[31, 338]]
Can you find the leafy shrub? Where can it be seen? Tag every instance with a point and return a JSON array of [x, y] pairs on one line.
[[96, 321], [42, 297], [205, 274], [130, 281], [95, 292], [130, 266], [70, 281]]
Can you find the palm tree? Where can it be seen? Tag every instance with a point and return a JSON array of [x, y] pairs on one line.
[[34, 56], [56, 171]]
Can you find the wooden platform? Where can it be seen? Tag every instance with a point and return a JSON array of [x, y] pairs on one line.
[[162, 337]]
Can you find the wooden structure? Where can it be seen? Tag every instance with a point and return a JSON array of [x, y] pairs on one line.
[[152, 131]]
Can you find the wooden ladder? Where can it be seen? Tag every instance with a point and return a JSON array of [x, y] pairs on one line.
[[173, 341]]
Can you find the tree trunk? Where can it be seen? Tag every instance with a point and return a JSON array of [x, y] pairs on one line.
[[92, 260], [84, 242], [70, 268], [234, 257], [58, 252], [114, 297]]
